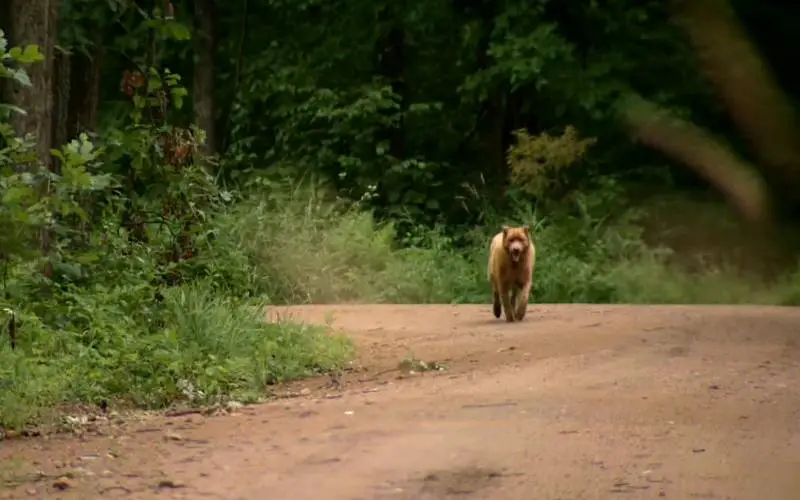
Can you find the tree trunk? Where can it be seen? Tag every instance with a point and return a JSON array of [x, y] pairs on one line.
[[82, 106], [204, 47], [84, 95], [5, 25], [391, 64], [62, 66], [5, 20], [492, 125], [34, 22]]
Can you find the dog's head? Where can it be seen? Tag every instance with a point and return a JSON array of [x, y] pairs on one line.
[[516, 241]]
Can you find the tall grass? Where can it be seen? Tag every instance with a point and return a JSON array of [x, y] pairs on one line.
[[300, 246]]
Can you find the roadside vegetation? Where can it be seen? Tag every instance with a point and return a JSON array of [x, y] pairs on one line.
[[152, 209]]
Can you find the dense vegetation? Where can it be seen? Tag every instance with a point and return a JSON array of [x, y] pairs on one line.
[[168, 169]]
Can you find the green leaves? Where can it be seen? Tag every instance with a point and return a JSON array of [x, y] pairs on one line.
[[178, 93], [18, 194], [7, 109], [169, 29], [179, 31], [26, 55]]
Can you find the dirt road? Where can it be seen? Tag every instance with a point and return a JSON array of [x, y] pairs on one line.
[[576, 402]]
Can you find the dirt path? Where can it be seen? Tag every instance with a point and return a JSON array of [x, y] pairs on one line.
[[577, 402]]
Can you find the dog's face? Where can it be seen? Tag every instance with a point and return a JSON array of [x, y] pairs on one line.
[[516, 241]]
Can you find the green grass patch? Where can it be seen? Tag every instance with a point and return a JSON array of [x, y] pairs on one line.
[[206, 346]]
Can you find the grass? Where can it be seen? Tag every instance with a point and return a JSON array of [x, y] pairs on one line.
[[300, 247], [210, 346]]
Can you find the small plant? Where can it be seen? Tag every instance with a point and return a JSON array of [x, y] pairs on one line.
[[410, 365]]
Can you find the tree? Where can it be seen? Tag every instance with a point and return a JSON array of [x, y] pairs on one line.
[[204, 72], [35, 22]]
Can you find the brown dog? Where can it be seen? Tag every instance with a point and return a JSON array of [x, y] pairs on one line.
[[512, 257]]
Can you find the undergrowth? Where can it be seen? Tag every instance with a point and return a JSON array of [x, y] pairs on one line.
[[295, 245], [114, 288], [205, 346]]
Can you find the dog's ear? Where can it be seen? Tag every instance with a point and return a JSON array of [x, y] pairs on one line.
[[506, 229], [527, 229]]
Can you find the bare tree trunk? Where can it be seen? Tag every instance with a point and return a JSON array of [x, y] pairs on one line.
[[391, 64], [5, 25], [34, 22], [62, 66], [84, 95], [492, 125], [83, 105], [204, 46]]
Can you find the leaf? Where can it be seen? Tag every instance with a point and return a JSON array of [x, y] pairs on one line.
[[154, 83], [14, 109], [101, 181], [28, 55], [179, 31], [21, 77], [178, 93], [31, 54], [16, 194], [59, 155], [86, 149]]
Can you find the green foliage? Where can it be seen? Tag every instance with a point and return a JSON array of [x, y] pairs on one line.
[[17, 55], [201, 346], [295, 243], [87, 254], [367, 152], [538, 164]]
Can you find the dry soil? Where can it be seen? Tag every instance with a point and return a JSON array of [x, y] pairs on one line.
[[575, 402]]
